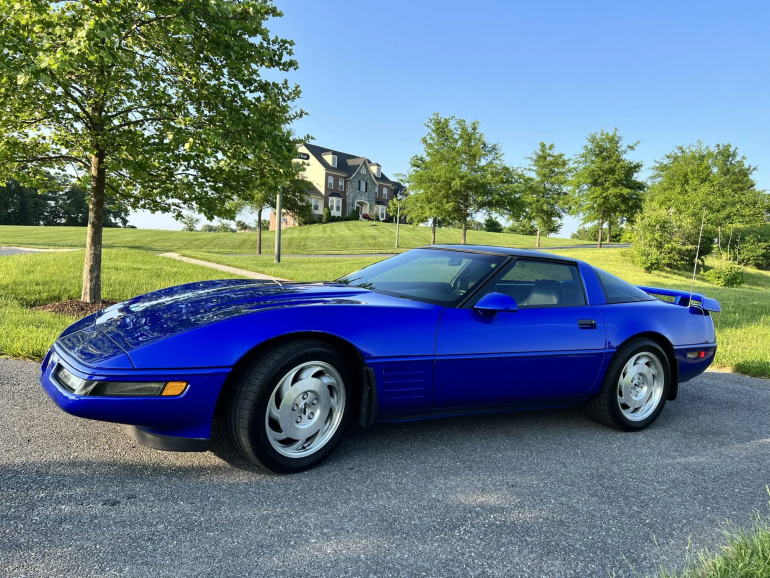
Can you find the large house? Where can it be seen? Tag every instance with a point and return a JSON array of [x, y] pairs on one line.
[[347, 184]]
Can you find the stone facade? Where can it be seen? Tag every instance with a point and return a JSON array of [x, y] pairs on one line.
[[354, 194]]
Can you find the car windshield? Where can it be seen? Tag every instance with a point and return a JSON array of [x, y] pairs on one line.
[[431, 275]]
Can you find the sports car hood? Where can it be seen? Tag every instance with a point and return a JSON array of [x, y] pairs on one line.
[[156, 315]]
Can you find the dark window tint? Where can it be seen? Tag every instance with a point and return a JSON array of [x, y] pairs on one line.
[[431, 275], [540, 284], [618, 291]]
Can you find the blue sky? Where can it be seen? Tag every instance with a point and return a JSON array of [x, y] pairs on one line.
[[663, 73]]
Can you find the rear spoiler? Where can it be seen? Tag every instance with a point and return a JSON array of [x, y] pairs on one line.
[[683, 298]]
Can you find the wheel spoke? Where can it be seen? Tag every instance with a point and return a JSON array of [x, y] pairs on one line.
[[276, 435], [273, 412]]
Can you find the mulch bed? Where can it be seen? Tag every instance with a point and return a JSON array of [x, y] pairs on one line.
[[74, 307]]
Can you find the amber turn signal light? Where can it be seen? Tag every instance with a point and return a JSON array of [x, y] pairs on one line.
[[174, 388]]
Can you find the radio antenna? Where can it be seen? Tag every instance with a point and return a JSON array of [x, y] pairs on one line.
[[697, 253]]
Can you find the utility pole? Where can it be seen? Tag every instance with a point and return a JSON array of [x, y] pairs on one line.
[[278, 215], [399, 197]]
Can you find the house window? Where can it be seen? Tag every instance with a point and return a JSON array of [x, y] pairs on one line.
[[316, 205], [335, 206], [334, 160], [362, 186], [382, 213], [330, 182], [342, 185], [384, 192]]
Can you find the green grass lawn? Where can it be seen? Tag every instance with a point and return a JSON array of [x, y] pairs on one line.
[[342, 238], [293, 268], [39, 278]]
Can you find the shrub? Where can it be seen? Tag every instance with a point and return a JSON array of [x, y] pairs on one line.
[[666, 239], [522, 227], [728, 274], [755, 253], [327, 215], [492, 225]]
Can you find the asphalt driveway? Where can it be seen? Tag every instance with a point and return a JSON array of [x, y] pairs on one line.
[[546, 493]]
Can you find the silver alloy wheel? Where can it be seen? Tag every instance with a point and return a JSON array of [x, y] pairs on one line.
[[305, 409], [640, 386]]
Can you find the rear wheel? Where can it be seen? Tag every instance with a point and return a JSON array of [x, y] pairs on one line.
[[635, 387], [290, 410]]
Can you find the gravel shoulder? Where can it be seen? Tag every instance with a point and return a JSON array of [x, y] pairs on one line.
[[540, 493]]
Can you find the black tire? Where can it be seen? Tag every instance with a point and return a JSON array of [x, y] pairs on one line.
[[250, 398], [605, 406]]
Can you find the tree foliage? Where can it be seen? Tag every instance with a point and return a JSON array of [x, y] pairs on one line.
[[666, 239], [691, 179], [544, 190], [61, 205], [605, 188], [692, 185], [458, 174], [163, 103]]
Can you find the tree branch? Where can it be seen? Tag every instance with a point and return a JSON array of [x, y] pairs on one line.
[[30, 160]]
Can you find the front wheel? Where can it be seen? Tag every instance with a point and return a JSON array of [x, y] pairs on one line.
[[290, 410], [635, 387]]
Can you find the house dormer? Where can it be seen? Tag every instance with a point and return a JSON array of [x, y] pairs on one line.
[[330, 158], [377, 170]]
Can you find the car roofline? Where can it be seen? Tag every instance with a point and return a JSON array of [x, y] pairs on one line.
[[502, 252]]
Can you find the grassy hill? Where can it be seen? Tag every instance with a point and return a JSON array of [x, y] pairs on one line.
[[343, 238]]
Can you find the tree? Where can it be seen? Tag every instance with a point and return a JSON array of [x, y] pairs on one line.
[[522, 226], [160, 102], [604, 184], [666, 238], [189, 222], [691, 179], [458, 174], [61, 205], [492, 225], [264, 184], [545, 192]]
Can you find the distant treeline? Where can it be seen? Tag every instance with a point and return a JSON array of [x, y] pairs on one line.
[[67, 206]]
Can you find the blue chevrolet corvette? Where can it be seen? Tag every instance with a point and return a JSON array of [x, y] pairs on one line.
[[436, 331]]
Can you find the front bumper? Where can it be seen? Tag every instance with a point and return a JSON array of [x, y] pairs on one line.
[[180, 423]]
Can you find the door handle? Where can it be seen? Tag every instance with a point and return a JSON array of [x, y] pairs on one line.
[[587, 323]]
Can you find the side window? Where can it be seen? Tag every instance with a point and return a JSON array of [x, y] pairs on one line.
[[618, 291], [541, 284]]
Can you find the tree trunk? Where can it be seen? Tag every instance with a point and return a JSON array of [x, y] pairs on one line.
[[259, 231], [537, 243], [601, 230], [92, 268], [609, 230], [465, 230], [433, 232]]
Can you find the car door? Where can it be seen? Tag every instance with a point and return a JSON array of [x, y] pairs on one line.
[[549, 351]]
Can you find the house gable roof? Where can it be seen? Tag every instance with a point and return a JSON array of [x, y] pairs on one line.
[[346, 163]]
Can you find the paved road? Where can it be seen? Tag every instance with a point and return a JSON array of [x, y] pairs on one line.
[[544, 493]]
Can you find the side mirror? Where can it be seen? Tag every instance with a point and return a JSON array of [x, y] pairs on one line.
[[493, 303]]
